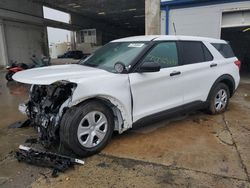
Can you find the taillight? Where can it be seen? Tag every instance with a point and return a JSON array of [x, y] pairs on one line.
[[238, 63]]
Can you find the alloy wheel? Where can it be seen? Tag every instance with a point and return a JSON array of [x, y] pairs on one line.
[[92, 129], [221, 100]]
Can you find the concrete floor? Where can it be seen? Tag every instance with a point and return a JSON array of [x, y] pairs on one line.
[[196, 150]]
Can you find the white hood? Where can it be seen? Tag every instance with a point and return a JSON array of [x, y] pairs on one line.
[[51, 74]]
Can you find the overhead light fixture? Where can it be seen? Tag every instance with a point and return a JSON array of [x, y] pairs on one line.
[[127, 23], [76, 6], [129, 10], [132, 9], [245, 30], [139, 16], [101, 13]]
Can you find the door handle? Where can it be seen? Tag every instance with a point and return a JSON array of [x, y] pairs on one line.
[[213, 65], [175, 73]]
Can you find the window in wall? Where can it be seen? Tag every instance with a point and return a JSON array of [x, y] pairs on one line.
[[164, 53], [82, 33], [56, 35], [194, 52], [56, 15], [88, 36]]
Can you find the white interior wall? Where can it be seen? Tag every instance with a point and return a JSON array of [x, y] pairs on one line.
[[203, 20]]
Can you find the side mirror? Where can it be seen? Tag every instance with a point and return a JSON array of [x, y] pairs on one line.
[[149, 67], [120, 67]]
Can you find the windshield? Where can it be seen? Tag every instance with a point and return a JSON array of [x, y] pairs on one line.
[[112, 53]]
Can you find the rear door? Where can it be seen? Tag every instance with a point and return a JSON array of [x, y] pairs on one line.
[[199, 69], [158, 91]]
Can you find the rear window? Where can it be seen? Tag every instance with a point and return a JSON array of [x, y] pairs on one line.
[[225, 49], [194, 52]]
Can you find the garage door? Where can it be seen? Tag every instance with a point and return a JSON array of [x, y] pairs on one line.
[[236, 19], [23, 41]]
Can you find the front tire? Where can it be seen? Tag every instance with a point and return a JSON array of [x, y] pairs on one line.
[[219, 99], [86, 129]]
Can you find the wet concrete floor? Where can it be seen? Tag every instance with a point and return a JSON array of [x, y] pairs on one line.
[[196, 150]]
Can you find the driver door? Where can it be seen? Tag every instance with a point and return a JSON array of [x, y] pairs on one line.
[[157, 91]]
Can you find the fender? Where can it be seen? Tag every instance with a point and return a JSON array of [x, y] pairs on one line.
[[228, 80], [124, 119]]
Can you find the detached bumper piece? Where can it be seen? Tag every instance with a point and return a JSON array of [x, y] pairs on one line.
[[58, 163], [20, 124]]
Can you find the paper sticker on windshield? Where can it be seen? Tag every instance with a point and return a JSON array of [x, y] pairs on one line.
[[135, 45]]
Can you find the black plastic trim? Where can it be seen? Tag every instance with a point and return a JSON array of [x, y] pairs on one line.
[[137, 62], [221, 79], [175, 73], [183, 109], [213, 65]]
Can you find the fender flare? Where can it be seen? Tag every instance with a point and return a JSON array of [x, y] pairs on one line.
[[228, 80], [124, 120]]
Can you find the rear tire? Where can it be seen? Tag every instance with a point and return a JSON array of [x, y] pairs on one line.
[[219, 99], [86, 129], [9, 75]]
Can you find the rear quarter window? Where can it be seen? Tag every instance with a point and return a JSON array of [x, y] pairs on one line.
[[224, 49]]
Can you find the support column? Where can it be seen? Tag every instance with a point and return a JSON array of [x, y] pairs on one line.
[[45, 44], [73, 40], [152, 17], [3, 48]]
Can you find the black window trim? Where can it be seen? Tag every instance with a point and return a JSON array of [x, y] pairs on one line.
[[135, 63], [159, 42], [139, 59], [205, 47], [151, 46]]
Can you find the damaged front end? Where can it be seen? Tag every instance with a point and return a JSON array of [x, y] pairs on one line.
[[46, 105]]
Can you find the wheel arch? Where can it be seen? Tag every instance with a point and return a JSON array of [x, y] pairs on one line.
[[226, 79], [122, 119]]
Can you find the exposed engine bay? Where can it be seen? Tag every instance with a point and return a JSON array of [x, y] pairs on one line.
[[45, 108]]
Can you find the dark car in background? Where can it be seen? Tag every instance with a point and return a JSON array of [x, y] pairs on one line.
[[75, 54]]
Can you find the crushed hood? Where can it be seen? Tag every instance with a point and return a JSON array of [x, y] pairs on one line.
[[51, 74]]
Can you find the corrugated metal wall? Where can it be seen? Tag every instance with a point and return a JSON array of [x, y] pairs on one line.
[[235, 19], [23, 41], [24, 33], [202, 20]]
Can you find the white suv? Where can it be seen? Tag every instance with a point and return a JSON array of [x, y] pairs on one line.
[[128, 81]]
